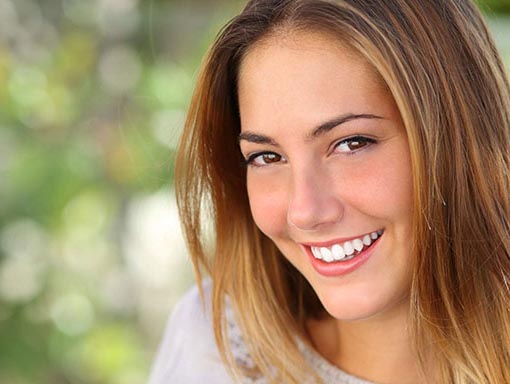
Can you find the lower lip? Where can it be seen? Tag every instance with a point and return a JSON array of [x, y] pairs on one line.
[[339, 268]]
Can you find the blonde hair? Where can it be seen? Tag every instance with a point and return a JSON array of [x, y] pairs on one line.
[[439, 62]]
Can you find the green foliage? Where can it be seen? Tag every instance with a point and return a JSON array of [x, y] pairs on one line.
[[495, 6], [92, 99]]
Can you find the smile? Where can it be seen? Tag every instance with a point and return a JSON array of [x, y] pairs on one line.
[[346, 250]]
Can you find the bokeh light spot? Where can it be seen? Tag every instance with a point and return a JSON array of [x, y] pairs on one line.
[[72, 314]]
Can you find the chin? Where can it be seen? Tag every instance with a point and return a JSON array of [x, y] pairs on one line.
[[360, 306]]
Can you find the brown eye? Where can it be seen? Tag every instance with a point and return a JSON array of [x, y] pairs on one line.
[[263, 159], [356, 144], [353, 144], [269, 158]]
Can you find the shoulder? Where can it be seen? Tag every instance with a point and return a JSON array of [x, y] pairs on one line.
[[188, 352]]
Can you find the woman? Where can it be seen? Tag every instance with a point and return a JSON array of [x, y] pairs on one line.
[[353, 158]]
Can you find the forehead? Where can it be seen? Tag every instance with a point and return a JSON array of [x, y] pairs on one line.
[[305, 74], [324, 44], [295, 44]]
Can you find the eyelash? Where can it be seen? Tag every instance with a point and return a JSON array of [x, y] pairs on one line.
[[353, 139], [251, 159], [350, 140]]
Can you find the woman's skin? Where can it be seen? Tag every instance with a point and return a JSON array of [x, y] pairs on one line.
[[329, 162]]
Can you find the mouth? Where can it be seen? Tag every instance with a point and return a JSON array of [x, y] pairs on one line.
[[345, 250]]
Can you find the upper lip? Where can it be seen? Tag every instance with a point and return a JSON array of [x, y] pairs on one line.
[[339, 240]]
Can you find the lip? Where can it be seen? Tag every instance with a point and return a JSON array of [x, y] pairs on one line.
[[339, 268]]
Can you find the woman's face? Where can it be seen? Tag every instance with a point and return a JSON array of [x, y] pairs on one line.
[[329, 174]]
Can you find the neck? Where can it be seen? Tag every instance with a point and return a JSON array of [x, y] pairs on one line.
[[377, 349]]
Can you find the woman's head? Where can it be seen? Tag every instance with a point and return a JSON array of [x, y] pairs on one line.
[[435, 63], [328, 171]]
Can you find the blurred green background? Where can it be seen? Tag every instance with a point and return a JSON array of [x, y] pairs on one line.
[[92, 99]]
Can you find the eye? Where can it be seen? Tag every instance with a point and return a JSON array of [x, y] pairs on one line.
[[353, 144], [262, 159]]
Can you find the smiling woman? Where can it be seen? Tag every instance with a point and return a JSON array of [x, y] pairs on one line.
[[354, 159], [318, 184]]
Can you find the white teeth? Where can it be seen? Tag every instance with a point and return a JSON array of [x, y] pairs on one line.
[[357, 244], [316, 253], [348, 248], [327, 255], [338, 252], [346, 251]]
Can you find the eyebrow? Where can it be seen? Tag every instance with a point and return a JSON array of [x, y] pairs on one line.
[[318, 131]]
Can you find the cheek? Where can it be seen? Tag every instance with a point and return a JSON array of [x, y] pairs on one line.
[[397, 187], [389, 193], [394, 198], [268, 204], [381, 188]]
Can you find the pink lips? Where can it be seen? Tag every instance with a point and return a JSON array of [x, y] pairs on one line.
[[340, 267]]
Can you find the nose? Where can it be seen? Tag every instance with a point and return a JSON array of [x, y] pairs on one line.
[[314, 201]]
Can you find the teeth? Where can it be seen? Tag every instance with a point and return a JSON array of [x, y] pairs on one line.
[[348, 248], [346, 252], [338, 252], [316, 253], [327, 255], [357, 244]]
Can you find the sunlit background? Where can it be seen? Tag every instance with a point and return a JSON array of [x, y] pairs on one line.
[[92, 99]]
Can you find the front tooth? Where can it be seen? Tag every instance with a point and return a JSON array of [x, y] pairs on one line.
[[357, 244], [367, 240], [374, 235], [348, 248], [326, 254], [316, 253], [338, 252]]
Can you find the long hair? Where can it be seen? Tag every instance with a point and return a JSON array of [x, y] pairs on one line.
[[441, 66]]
